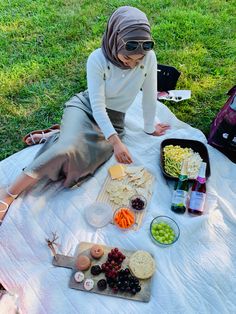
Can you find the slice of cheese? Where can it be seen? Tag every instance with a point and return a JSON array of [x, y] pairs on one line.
[[117, 171]]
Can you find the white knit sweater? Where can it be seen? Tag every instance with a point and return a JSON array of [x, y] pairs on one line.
[[114, 88]]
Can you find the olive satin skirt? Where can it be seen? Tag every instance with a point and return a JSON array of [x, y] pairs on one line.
[[79, 148]]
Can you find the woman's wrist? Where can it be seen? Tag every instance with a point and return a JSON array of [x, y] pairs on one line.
[[114, 139]]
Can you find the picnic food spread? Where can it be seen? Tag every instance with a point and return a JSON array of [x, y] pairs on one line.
[[117, 272], [127, 190]]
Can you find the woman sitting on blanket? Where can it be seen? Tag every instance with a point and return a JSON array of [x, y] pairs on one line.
[[92, 125]]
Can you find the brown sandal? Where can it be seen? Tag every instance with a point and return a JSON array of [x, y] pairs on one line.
[[42, 132]]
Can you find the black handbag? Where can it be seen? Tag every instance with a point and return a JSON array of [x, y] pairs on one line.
[[167, 77]]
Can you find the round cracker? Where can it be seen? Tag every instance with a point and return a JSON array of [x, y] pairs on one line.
[[142, 265]]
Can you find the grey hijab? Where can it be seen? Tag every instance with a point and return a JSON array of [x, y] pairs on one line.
[[126, 23]]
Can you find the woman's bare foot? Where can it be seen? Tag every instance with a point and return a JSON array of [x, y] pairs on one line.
[[8, 195], [37, 138], [5, 202]]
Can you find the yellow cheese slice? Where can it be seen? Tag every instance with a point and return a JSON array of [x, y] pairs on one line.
[[116, 171]]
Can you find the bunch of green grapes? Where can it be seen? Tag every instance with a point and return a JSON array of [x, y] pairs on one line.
[[163, 233]]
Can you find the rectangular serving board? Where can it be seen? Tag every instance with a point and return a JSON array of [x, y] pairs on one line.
[[84, 249], [103, 197]]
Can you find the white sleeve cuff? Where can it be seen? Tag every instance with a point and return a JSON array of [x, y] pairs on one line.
[[149, 128]]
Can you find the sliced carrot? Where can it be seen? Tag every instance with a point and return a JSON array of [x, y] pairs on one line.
[[124, 218], [127, 215], [128, 220]]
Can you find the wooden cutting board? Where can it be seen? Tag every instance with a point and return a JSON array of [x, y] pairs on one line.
[[104, 197], [84, 249]]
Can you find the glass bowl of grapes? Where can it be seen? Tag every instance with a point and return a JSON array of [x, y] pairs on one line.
[[138, 203], [164, 231]]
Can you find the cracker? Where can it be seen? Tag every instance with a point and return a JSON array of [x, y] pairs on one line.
[[137, 181], [133, 170]]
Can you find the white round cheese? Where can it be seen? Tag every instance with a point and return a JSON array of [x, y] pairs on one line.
[[79, 276], [88, 284], [142, 265]]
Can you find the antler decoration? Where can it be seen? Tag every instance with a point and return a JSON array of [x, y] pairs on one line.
[[51, 244]]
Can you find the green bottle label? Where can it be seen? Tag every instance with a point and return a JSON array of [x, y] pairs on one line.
[[179, 198]]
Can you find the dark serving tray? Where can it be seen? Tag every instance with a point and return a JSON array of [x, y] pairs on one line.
[[196, 146]]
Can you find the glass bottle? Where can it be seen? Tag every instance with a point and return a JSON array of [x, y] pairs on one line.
[[180, 194], [198, 193]]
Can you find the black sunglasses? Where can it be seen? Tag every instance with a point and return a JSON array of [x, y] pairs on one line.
[[132, 45]]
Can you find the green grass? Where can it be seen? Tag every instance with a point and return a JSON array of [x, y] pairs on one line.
[[44, 45]]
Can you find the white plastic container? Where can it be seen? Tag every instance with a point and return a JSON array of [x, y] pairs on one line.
[[98, 214]]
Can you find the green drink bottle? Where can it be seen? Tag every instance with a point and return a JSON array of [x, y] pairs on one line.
[[180, 194]]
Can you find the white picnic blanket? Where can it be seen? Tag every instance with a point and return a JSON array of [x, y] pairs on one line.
[[195, 275]]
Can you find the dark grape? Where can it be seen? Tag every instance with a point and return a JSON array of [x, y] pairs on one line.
[[131, 284], [138, 288], [119, 284], [136, 282], [109, 280], [115, 290], [133, 291], [137, 203], [102, 284], [112, 284], [122, 288], [96, 270]]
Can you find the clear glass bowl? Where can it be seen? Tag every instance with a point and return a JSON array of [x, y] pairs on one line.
[[98, 214], [171, 223], [141, 197], [119, 227]]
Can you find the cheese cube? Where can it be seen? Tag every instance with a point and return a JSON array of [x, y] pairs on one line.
[[116, 171]]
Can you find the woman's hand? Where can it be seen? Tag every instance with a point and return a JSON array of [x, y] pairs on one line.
[[120, 150], [160, 129]]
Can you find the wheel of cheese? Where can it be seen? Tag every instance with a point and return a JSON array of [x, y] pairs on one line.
[[83, 262], [142, 265], [96, 251]]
